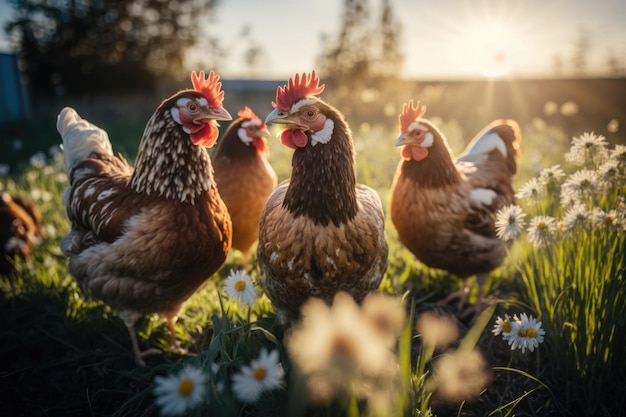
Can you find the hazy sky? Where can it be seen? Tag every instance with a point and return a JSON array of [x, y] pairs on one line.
[[440, 38]]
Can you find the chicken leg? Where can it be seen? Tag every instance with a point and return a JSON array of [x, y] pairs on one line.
[[462, 295], [130, 318]]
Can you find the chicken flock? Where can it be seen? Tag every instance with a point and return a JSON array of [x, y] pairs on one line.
[[144, 238]]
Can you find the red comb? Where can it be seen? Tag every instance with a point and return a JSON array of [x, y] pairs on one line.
[[410, 113], [298, 87], [246, 113], [209, 88]]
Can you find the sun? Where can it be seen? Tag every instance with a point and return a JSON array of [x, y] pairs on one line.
[[486, 47]]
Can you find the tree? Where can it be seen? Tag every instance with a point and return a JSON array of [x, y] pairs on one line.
[[88, 46], [364, 61]]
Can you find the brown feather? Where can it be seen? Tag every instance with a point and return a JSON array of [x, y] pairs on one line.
[[434, 215]]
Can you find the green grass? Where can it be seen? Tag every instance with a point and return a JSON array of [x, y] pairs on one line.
[[64, 354]]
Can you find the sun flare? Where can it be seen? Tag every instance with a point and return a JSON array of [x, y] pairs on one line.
[[487, 47]]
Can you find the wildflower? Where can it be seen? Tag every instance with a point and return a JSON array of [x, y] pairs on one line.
[[509, 222], [264, 374], [582, 182], [13, 244], [587, 148], [461, 375], [525, 334], [576, 217], [608, 219], [240, 287], [569, 197], [618, 154], [38, 160], [177, 393], [551, 175], [608, 172], [541, 231], [532, 190], [339, 352], [386, 316], [50, 231], [503, 325], [437, 330]]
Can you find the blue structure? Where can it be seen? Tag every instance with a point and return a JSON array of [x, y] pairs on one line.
[[14, 104]]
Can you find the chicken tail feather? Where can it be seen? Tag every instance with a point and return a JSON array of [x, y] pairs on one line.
[[80, 138]]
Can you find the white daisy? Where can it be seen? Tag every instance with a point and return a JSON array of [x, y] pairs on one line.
[[532, 190], [569, 197], [460, 375], [338, 351], [240, 287], [608, 172], [551, 175], [503, 325], [582, 182], [618, 154], [264, 374], [608, 219], [541, 231], [587, 148], [576, 217], [526, 333], [509, 222], [177, 393]]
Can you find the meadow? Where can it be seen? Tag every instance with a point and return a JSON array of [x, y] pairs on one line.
[[65, 354]]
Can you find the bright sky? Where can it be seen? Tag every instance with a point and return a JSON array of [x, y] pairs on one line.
[[443, 38]]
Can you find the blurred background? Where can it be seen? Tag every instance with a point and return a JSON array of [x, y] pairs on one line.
[[559, 63]]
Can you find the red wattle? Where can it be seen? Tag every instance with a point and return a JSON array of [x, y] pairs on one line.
[[294, 138], [414, 152], [206, 136]]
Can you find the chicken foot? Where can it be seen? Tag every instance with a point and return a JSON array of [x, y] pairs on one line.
[[462, 295]]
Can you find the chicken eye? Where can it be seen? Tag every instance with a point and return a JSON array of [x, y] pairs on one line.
[[192, 107]]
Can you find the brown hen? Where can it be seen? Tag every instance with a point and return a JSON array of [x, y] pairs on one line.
[[20, 227], [444, 209], [320, 231], [244, 177], [144, 239]]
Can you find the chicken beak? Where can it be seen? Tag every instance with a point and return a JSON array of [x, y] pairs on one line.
[[402, 140], [264, 132], [277, 116], [221, 114]]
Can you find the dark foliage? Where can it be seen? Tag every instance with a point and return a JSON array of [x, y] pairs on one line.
[[89, 47]]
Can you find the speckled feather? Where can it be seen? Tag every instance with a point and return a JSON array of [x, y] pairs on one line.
[[320, 232], [432, 210], [144, 239]]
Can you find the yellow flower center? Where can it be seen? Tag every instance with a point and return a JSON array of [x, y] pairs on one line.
[[585, 183], [240, 285], [506, 326], [259, 374], [531, 333], [608, 220], [185, 388], [522, 333], [511, 219], [541, 226]]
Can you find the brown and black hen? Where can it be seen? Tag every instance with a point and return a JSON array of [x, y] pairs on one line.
[[320, 231], [444, 209], [144, 239], [244, 177], [20, 227]]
